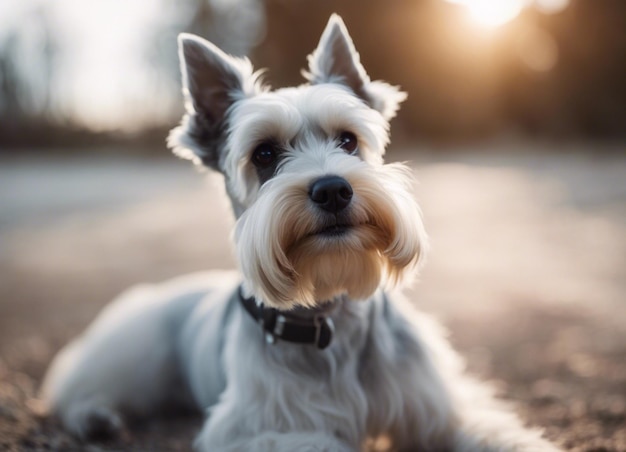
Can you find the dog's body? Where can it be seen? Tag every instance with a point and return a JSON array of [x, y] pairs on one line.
[[322, 225]]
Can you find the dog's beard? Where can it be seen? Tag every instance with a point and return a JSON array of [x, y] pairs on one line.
[[292, 254]]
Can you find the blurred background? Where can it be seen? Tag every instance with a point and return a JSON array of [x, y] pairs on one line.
[[97, 70], [515, 125]]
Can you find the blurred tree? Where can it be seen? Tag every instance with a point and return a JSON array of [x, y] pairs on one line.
[[584, 93], [546, 75], [27, 63], [234, 25], [10, 83], [465, 82]]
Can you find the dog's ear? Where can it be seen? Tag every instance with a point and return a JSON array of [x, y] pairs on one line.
[[335, 60], [212, 82]]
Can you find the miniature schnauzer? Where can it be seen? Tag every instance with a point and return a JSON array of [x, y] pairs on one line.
[[303, 349]]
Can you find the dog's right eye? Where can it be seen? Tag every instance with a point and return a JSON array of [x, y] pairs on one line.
[[348, 142], [264, 155]]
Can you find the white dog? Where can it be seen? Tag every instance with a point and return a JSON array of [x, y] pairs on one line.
[[302, 350]]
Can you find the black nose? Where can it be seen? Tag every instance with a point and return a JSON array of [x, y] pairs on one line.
[[331, 193]]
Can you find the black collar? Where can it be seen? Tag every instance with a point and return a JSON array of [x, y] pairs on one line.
[[317, 330]]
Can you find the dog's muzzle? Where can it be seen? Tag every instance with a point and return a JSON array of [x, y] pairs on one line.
[[316, 330]]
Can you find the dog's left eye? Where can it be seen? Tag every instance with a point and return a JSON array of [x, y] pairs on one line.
[[348, 142], [264, 155]]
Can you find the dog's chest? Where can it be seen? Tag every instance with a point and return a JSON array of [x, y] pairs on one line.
[[299, 387]]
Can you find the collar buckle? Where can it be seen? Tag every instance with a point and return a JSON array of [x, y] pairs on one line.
[[324, 330], [279, 326]]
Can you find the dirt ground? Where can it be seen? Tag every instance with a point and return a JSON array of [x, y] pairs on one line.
[[527, 271]]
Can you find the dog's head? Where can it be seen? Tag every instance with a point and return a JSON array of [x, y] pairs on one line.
[[318, 213]]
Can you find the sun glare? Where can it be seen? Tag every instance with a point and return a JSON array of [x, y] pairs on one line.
[[492, 13]]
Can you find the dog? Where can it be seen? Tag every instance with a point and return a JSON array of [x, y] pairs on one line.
[[305, 348]]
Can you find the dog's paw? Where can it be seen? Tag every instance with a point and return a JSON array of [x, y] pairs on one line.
[[91, 422], [102, 423]]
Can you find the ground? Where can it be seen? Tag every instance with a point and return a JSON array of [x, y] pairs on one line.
[[527, 271]]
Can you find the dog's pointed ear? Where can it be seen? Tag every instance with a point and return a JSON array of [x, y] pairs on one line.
[[335, 60], [212, 81]]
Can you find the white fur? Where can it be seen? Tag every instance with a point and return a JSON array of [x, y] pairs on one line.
[[389, 373]]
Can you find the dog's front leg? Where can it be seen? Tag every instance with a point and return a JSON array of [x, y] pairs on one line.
[[427, 402], [409, 401], [485, 424], [231, 428]]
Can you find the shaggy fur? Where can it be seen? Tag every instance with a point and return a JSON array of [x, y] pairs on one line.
[[389, 372]]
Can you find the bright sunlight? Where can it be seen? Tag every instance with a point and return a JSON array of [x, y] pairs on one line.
[[492, 13]]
